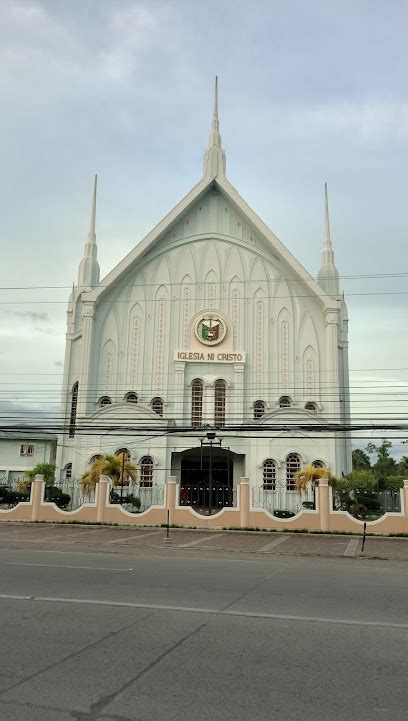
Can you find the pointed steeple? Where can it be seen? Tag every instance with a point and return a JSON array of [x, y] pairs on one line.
[[328, 276], [88, 274], [214, 156]]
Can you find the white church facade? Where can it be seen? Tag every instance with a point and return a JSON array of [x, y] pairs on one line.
[[208, 345]]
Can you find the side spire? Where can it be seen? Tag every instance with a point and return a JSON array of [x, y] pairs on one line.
[[328, 276], [88, 274], [214, 156]]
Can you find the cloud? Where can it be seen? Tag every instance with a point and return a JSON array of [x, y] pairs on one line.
[[48, 331], [371, 120], [367, 120], [30, 315]]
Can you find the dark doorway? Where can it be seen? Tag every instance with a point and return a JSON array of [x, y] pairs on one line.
[[206, 481]]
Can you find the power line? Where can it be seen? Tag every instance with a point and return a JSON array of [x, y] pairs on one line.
[[347, 276]]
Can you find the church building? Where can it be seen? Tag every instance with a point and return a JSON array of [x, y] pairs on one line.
[[209, 352]]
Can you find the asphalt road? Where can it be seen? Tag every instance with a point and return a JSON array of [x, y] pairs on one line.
[[156, 635]]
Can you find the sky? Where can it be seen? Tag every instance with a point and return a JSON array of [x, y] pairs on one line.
[[309, 92]]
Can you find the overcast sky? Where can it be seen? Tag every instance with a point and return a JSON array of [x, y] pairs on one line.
[[309, 92]]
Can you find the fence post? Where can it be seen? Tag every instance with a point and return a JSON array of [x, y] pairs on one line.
[[102, 498], [244, 490], [323, 490], [37, 497], [405, 491], [171, 488]]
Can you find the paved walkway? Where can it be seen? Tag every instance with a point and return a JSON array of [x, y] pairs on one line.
[[128, 540]]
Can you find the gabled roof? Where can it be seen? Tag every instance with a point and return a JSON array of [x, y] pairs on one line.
[[214, 175]]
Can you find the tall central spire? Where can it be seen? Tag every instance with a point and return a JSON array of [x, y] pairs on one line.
[[328, 276], [88, 274], [214, 156]]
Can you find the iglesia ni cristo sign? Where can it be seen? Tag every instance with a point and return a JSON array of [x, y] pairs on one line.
[[209, 356]]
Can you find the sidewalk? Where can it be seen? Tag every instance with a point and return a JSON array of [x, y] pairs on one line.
[[113, 539]]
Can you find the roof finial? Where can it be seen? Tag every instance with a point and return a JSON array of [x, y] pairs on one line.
[[326, 231], [328, 276], [215, 137], [216, 98], [92, 225], [214, 156], [88, 275]]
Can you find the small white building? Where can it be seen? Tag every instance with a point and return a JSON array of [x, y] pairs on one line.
[[209, 325], [21, 451]]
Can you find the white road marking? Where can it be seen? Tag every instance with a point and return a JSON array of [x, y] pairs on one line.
[[272, 544], [208, 611], [28, 540], [141, 535], [351, 548], [55, 565], [200, 540]]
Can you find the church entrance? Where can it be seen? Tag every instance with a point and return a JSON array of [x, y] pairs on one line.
[[206, 479]]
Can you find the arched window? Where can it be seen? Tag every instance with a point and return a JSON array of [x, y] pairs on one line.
[[74, 406], [269, 475], [131, 397], [94, 458], [292, 466], [259, 409], [318, 464], [219, 403], [146, 471], [104, 401], [157, 406], [68, 472], [285, 402], [311, 406], [197, 403], [125, 451]]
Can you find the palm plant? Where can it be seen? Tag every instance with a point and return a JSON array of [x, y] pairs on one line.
[[112, 466], [310, 474]]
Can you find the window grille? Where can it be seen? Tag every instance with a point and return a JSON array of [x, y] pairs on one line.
[[219, 403], [318, 464], [292, 466], [125, 451], [68, 472], [27, 449], [105, 401], [74, 406], [285, 402], [157, 406], [259, 409], [131, 397], [94, 458], [146, 471], [269, 475], [311, 406], [197, 403]]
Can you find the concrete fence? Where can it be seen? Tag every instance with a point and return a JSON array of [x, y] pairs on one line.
[[243, 515]]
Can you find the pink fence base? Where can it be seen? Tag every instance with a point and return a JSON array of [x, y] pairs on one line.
[[322, 519]]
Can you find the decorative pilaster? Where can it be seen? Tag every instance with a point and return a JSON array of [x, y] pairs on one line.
[[86, 380], [332, 376], [237, 405]]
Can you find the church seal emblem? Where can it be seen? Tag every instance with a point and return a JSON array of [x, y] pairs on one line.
[[210, 329]]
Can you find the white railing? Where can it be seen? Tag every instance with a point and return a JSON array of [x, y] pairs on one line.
[[282, 499]]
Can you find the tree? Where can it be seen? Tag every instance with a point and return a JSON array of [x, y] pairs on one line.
[[392, 483], [43, 469], [111, 466], [310, 474], [361, 481], [361, 461], [403, 466], [385, 465]]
